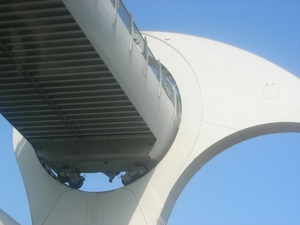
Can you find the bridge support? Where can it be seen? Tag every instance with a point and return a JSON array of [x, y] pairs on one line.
[[228, 96], [5, 219]]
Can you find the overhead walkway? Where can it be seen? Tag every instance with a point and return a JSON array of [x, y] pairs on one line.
[[79, 82]]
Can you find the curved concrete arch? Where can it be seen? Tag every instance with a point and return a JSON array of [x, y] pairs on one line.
[[227, 94], [244, 135], [6, 219], [220, 146], [244, 96]]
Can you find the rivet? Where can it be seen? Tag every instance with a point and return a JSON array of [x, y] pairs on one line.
[[167, 38]]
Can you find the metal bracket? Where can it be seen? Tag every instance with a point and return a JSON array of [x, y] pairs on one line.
[[131, 29], [160, 77], [116, 6], [146, 56], [175, 103]]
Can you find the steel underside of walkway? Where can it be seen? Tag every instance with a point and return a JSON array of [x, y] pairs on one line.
[[54, 87]]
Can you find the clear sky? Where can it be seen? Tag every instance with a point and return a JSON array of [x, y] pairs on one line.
[[255, 182]]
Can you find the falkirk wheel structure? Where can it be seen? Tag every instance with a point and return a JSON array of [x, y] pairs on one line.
[[87, 92]]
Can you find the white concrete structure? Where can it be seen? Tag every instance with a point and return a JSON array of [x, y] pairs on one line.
[[6, 219], [228, 96], [96, 100]]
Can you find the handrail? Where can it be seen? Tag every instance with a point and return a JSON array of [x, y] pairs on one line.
[[127, 20], [167, 81], [165, 78]]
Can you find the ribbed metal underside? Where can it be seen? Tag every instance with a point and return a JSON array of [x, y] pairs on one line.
[[53, 84]]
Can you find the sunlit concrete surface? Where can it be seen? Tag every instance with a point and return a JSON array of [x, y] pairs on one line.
[[5, 219], [228, 96], [242, 96]]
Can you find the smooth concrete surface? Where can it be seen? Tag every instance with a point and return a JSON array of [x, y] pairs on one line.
[[243, 96], [228, 96], [5, 219]]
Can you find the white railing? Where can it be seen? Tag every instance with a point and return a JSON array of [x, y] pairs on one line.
[[164, 77]]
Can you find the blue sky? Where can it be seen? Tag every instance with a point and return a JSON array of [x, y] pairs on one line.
[[254, 182]]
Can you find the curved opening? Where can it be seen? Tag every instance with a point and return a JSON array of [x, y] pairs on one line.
[[243, 135], [72, 174], [98, 182], [253, 182]]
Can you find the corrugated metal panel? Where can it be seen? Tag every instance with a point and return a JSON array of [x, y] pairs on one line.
[[57, 91], [53, 84]]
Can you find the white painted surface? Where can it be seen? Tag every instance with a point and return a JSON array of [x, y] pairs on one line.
[[235, 106], [225, 100], [6, 219]]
